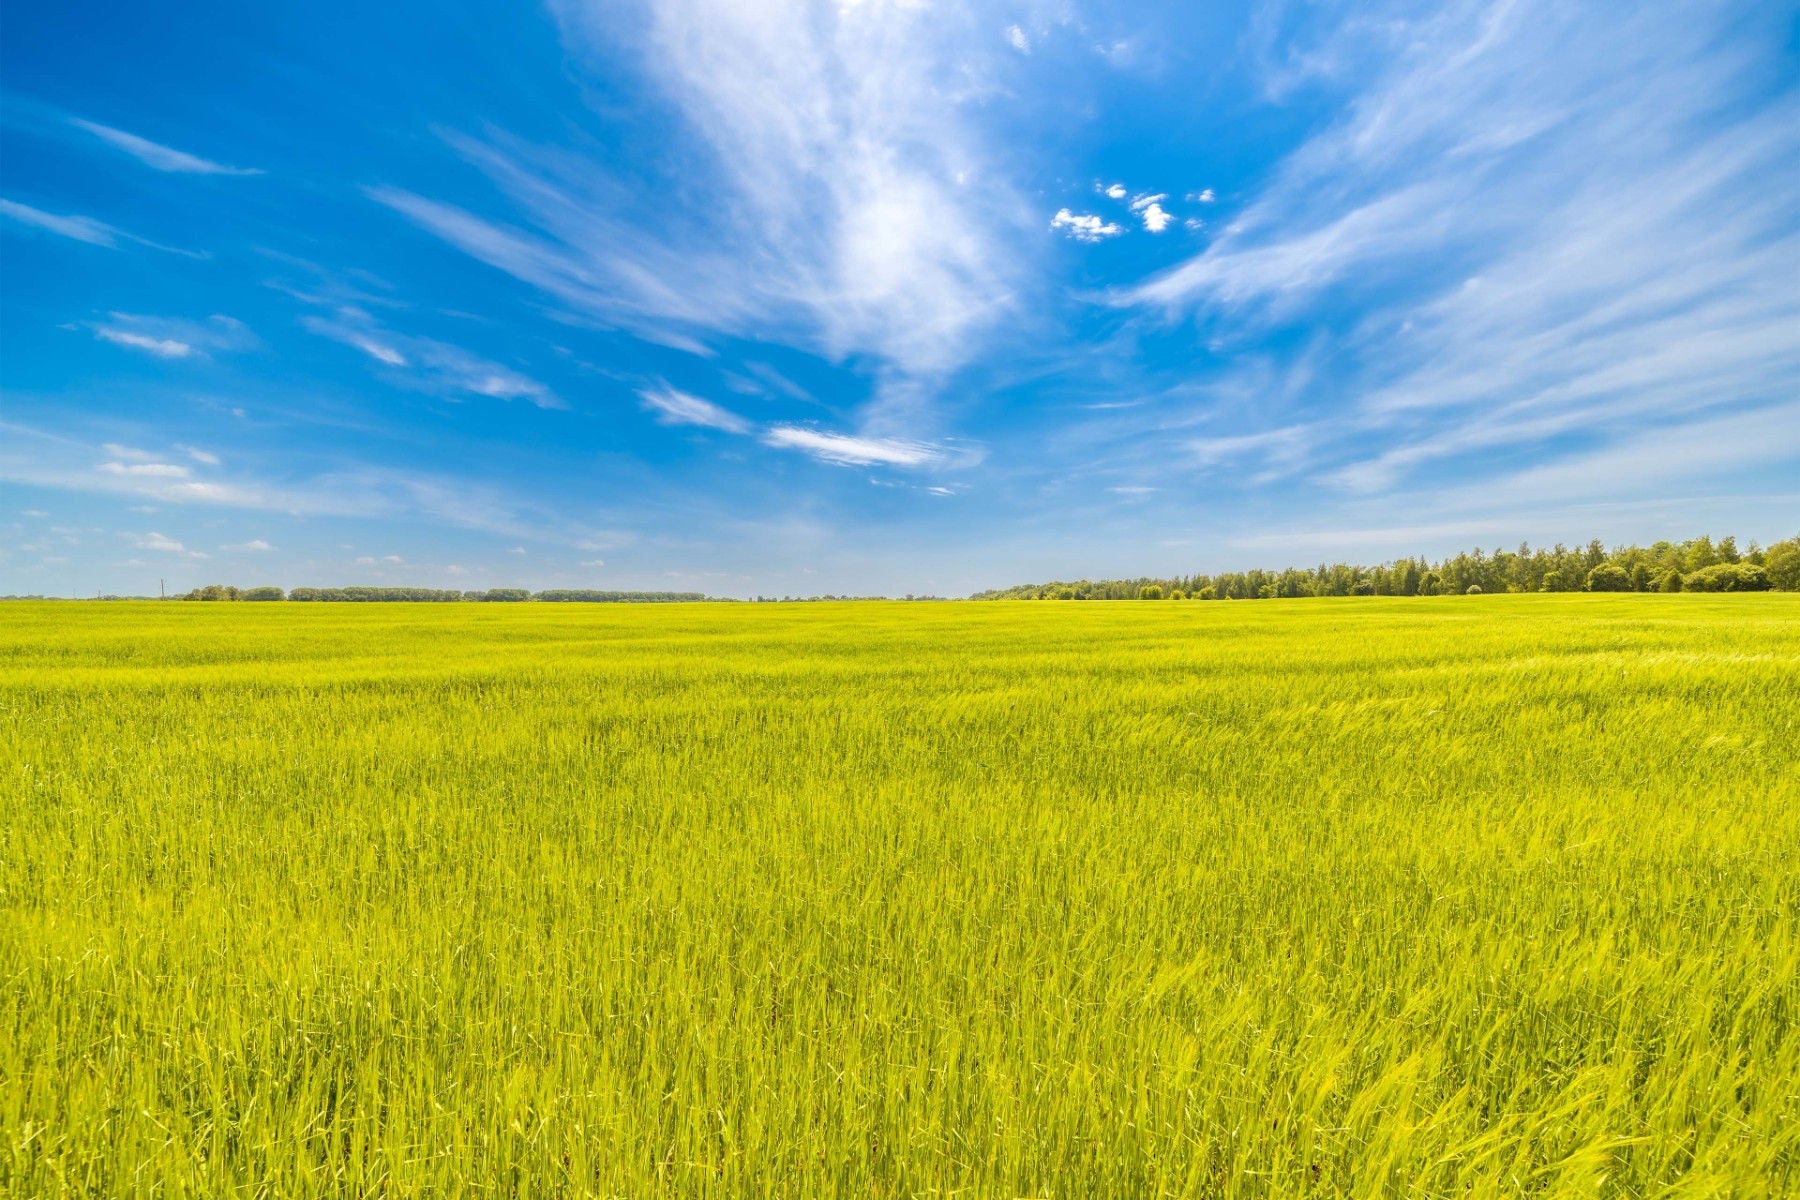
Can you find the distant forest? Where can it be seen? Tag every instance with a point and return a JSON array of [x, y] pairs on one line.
[[390, 595], [1700, 565]]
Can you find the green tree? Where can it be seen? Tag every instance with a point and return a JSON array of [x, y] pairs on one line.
[[1727, 577], [1608, 577], [1782, 563]]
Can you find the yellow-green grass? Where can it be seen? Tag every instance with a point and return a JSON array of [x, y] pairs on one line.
[[1453, 897]]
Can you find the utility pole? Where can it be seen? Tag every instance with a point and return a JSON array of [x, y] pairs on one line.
[[163, 592]]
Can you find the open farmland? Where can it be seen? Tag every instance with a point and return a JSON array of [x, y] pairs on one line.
[[1463, 897]]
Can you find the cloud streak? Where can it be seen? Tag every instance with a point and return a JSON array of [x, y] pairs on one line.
[[844, 450], [428, 364], [160, 347], [165, 337], [75, 228], [155, 155], [1517, 241], [672, 407], [842, 158], [79, 228], [34, 458]]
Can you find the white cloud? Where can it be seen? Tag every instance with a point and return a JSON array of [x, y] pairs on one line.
[[160, 347], [1204, 196], [1275, 448], [1084, 228], [844, 450], [145, 470], [157, 156], [254, 545], [673, 407], [128, 453], [168, 337], [159, 542], [1149, 206], [199, 455], [1016, 38], [80, 229], [1648, 462], [40, 459], [456, 569], [1547, 246], [841, 152], [517, 550], [1290, 269], [378, 351], [594, 562], [429, 364], [349, 331]]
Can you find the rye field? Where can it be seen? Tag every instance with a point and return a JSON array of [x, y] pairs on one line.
[[1463, 897]]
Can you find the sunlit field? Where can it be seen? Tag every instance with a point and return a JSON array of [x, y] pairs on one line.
[[1456, 897]]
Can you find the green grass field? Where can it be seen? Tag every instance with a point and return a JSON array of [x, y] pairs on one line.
[[1456, 897]]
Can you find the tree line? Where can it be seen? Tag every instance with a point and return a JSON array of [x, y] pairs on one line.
[[1698, 565], [411, 595]]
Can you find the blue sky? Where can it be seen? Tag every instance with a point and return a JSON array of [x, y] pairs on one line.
[[884, 297]]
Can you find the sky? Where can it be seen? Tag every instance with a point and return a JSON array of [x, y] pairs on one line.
[[882, 297]]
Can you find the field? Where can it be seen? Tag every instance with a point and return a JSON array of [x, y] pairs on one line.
[[1455, 897]]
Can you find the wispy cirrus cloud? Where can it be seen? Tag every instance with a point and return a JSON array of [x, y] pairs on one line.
[[166, 337], [80, 229], [847, 450], [145, 470], [844, 165], [155, 155], [431, 365], [36, 458], [1517, 240], [160, 347], [673, 407], [75, 228], [849, 139], [128, 453], [157, 541]]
